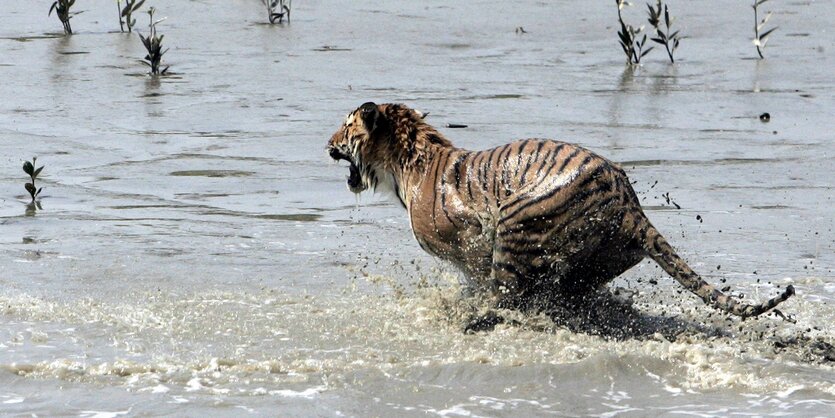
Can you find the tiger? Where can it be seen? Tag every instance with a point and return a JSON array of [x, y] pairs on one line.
[[530, 221]]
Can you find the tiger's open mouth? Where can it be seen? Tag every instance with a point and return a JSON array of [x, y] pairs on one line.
[[354, 179]]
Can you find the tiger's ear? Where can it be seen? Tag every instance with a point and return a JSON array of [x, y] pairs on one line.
[[369, 114]]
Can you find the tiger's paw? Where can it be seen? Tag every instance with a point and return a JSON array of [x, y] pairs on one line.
[[484, 322]]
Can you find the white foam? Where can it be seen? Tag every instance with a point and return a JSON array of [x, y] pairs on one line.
[[308, 393], [104, 414]]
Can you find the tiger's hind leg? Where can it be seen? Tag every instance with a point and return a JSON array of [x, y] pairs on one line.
[[518, 269]]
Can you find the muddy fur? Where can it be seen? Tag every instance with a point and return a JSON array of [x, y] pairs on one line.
[[539, 225]]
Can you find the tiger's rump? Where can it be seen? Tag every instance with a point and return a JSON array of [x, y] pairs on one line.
[[522, 206]]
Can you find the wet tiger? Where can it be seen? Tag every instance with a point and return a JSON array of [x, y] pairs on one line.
[[531, 221]]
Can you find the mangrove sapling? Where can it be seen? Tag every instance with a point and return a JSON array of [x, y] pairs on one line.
[[761, 39], [62, 10], [669, 40], [29, 168], [632, 47], [153, 44], [278, 9], [126, 13]]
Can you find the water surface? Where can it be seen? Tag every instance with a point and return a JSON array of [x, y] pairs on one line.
[[197, 252]]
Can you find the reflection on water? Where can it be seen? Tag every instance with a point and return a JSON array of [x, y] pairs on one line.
[[197, 251]]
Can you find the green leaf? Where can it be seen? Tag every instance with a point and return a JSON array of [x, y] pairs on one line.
[[145, 41], [768, 32], [138, 5], [647, 51], [28, 168], [30, 188], [658, 40], [38, 171]]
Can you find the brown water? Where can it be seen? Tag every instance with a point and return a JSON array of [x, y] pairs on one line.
[[197, 253]]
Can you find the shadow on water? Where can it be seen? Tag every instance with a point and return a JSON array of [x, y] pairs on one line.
[[664, 83], [606, 313], [610, 314], [625, 83]]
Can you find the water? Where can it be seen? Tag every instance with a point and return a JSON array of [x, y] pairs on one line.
[[197, 252]]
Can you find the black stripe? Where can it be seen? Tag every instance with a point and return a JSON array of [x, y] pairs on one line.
[[510, 268], [443, 192], [551, 155], [567, 224], [531, 160], [567, 159], [588, 178], [435, 196], [554, 191], [482, 183], [468, 165], [501, 170], [456, 168], [521, 153], [506, 178], [485, 167], [524, 250]]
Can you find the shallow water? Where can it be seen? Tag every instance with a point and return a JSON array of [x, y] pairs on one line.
[[198, 253]]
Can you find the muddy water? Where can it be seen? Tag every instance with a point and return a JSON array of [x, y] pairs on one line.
[[197, 253]]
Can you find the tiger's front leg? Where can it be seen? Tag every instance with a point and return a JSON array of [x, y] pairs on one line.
[[509, 271]]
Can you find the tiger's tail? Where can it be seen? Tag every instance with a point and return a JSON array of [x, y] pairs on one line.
[[657, 248]]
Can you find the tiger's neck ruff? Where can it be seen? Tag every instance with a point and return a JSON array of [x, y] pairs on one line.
[[532, 222]]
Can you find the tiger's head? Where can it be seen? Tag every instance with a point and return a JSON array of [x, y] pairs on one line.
[[352, 142], [380, 143]]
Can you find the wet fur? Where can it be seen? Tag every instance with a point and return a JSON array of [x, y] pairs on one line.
[[532, 222]]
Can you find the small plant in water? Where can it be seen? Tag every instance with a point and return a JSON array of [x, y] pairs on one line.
[[153, 43], [632, 47], [29, 168], [62, 10], [126, 13], [760, 39], [278, 9], [664, 37]]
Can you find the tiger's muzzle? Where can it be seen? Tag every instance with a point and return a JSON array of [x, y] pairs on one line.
[[354, 179]]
